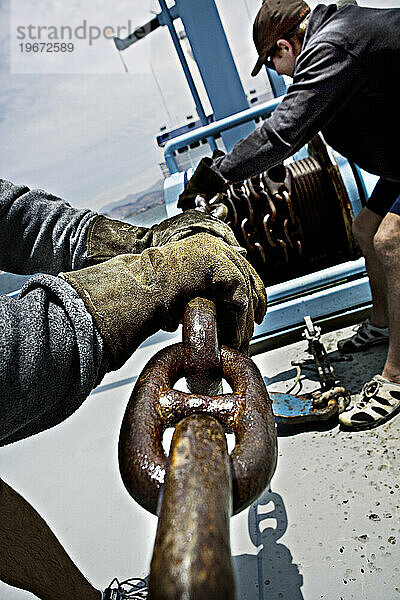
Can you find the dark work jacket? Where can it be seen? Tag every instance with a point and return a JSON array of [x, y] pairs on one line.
[[345, 84]]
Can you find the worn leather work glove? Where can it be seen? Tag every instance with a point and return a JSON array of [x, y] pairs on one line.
[[130, 297], [108, 237], [189, 223], [204, 182]]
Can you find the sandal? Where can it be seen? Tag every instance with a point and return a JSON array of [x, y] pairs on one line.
[[378, 402], [365, 336]]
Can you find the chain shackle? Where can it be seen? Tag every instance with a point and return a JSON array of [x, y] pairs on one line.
[[154, 405]]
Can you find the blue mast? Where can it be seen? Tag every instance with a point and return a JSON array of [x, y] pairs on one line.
[[214, 59], [165, 19]]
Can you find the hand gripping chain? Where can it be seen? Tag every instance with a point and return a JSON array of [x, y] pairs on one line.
[[192, 551]]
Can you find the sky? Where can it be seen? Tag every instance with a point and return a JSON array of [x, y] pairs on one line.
[[75, 123]]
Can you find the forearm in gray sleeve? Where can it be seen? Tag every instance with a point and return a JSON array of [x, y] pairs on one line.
[[52, 356], [40, 233]]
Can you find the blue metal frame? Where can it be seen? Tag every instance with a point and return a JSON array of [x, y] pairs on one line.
[[215, 62], [338, 290], [261, 110], [166, 19], [277, 83]]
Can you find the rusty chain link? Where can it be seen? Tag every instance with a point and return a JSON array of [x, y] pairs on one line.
[[202, 485], [155, 405]]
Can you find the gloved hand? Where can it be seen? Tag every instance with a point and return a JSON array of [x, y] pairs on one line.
[[108, 237], [130, 297], [204, 181]]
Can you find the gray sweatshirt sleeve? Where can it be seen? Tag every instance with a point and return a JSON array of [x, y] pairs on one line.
[[40, 233], [326, 77], [52, 356]]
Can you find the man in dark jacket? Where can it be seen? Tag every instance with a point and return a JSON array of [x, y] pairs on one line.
[[345, 64]]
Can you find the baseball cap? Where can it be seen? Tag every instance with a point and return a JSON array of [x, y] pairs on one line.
[[275, 19]]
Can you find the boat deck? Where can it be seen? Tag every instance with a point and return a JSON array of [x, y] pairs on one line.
[[328, 528]]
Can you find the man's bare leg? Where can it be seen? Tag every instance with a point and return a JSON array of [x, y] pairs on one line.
[[379, 399], [32, 558], [364, 228], [387, 246]]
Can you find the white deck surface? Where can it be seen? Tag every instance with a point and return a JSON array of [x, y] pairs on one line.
[[329, 529]]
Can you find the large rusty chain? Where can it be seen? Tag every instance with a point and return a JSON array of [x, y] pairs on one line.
[[201, 484], [155, 405], [261, 213]]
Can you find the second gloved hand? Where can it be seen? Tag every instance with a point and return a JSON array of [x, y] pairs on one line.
[[130, 297], [204, 182]]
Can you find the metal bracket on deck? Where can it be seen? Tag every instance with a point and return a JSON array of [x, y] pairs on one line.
[[322, 404]]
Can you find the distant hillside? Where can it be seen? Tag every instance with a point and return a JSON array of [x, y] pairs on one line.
[[137, 202]]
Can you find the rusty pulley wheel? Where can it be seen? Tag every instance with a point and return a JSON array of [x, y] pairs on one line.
[[155, 404], [292, 219]]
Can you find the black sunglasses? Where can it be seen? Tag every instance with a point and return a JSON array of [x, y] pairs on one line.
[[268, 62]]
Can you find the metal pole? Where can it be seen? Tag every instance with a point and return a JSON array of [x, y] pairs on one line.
[[213, 128], [215, 62], [186, 70]]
